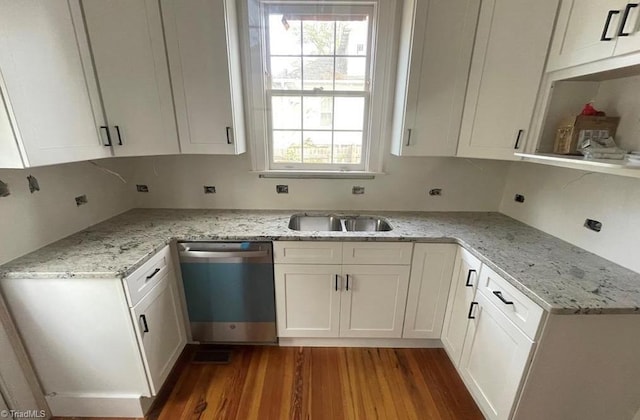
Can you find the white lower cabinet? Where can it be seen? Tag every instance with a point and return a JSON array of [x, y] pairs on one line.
[[494, 359], [160, 330], [463, 289], [308, 300], [87, 343], [431, 271], [373, 300], [331, 300]]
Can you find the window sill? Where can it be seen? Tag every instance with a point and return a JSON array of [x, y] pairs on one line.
[[318, 174]]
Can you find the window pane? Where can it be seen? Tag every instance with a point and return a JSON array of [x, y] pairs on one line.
[[284, 35], [318, 73], [285, 73], [351, 38], [318, 37], [287, 147], [286, 112], [317, 147], [347, 147], [350, 73], [318, 112], [349, 114]]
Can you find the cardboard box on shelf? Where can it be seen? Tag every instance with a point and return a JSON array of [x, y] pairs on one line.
[[571, 133]]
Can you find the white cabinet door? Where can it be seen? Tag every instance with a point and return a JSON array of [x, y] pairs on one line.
[[433, 68], [431, 273], [308, 300], [373, 300], [204, 57], [495, 356], [49, 82], [160, 330], [9, 152], [508, 60], [463, 287], [578, 35], [128, 48], [628, 35]]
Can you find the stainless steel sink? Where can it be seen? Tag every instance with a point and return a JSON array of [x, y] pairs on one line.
[[333, 223], [315, 223], [366, 224]]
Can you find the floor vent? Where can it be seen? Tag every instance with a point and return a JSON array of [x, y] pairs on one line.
[[212, 356]]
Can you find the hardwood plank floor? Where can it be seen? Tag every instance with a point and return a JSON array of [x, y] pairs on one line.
[[319, 383], [322, 383]]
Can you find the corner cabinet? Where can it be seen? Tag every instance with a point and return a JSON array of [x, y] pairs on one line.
[[463, 288], [506, 69], [127, 42], [48, 84], [433, 68], [591, 30], [204, 58], [101, 347], [431, 270]]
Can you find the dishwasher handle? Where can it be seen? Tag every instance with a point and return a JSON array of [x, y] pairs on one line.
[[221, 254]]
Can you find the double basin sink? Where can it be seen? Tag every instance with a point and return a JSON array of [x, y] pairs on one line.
[[333, 223]]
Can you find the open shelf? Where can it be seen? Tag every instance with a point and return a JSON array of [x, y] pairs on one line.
[[613, 167]]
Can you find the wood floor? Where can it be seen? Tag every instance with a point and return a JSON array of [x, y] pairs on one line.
[[322, 383], [319, 383]]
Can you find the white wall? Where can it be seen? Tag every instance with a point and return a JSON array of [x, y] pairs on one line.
[[30, 221], [177, 181], [558, 200]]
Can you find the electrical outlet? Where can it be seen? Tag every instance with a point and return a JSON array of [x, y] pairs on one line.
[[435, 191], [81, 200], [519, 198], [33, 184], [357, 190], [593, 225], [209, 189], [142, 188], [4, 189], [282, 189]]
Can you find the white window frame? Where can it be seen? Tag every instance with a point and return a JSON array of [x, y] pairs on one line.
[[380, 104]]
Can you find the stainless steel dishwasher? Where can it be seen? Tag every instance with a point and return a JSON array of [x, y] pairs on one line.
[[229, 291]]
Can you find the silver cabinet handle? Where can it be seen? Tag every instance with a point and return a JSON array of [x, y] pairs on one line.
[[216, 254]]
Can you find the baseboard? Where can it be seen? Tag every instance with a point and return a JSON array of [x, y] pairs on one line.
[[78, 405], [361, 342]]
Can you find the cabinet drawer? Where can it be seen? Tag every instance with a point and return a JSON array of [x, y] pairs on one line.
[[521, 310], [377, 253], [303, 252], [141, 281]]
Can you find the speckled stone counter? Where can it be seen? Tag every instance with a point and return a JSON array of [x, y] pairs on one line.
[[560, 277]]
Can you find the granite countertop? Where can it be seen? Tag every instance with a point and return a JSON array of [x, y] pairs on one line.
[[560, 277]]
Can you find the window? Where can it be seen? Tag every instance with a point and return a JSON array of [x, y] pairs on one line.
[[314, 67]]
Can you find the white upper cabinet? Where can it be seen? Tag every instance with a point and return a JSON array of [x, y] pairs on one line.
[[591, 30], [48, 82], [204, 58], [508, 60], [128, 49], [433, 68], [9, 152]]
